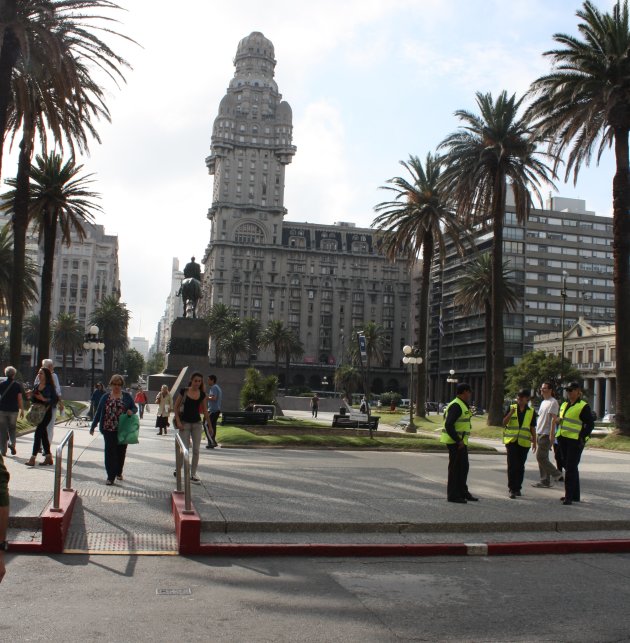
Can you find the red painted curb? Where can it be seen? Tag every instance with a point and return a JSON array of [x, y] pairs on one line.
[[560, 547], [55, 524], [187, 526], [21, 547]]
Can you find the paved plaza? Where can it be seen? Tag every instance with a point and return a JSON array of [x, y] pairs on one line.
[[311, 496]]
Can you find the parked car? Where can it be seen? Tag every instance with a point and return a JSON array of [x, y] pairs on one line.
[[404, 403]]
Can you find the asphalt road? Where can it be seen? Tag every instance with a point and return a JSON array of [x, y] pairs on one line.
[[117, 598]]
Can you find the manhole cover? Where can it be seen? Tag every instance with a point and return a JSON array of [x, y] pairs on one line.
[[160, 591]]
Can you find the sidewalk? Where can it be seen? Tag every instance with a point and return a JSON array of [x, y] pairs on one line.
[[291, 496]]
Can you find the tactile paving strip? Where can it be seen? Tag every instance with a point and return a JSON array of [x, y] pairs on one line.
[[92, 492], [117, 542]]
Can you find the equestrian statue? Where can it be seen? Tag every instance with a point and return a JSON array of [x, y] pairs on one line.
[[190, 290]]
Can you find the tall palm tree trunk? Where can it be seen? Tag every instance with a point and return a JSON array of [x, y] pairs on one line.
[[9, 52], [495, 408], [621, 278], [423, 324], [20, 225], [488, 336], [63, 366], [45, 297]]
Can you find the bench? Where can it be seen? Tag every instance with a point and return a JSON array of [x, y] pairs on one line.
[[356, 420], [244, 417]]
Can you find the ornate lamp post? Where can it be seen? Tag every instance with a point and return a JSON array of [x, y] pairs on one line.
[[93, 343], [411, 357], [451, 379]]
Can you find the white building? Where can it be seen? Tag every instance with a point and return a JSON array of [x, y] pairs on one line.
[[141, 344], [172, 311]]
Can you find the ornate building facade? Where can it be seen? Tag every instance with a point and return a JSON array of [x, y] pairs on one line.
[[323, 281]]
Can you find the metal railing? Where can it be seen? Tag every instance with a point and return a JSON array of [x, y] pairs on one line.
[[69, 440], [182, 454]]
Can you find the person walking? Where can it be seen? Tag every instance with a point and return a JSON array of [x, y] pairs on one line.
[[547, 416], [11, 404], [190, 405], [215, 398], [455, 434], [45, 393], [574, 427], [141, 400], [110, 408], [314, 405], [48, 363], [519, 435], [97, 394], [164, 401]]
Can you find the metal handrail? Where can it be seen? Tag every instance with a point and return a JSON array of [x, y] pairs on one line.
[[182, 454], [69, 440]]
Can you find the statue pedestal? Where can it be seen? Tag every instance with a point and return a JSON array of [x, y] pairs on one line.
[[188, 346]]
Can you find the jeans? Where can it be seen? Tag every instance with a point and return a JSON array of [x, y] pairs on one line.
[[571, 454], [50, 429], [457, 472], [41, 435], [516, 457], [114, 455], [8, 420], [194, 430], [141, 409], [544, 464], [211, 431]]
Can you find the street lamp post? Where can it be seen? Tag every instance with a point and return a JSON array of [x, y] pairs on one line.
[[451, 379], [411, 357], [563, 294], [93, 343]]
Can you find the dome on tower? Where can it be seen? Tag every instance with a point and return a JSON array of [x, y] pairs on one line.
[[255, 45]]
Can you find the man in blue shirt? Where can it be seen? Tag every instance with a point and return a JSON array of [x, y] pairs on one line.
[[215, 396]]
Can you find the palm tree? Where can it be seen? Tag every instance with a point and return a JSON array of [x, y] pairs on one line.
[[489, 153], [112, 318], [374, 345], [415, 223], [31, 292], [59, 198], [220, 319], [233, 344], [31, 333], [67, 337], [583, 106], [253, 330], [278, 336], [474, 295], [52, 50], [293, 349], [348, 380]]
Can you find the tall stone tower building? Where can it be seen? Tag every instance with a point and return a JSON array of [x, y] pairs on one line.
[[322, 281]]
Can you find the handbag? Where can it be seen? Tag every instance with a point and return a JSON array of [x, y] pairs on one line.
[[128, 429], [36, 413]]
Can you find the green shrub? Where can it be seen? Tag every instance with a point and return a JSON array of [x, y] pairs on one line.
[[391, 397], [258, 388]]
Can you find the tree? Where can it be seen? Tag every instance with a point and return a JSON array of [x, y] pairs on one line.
[[233, 344], [156, 363], [293, 349], [538, 367], [67, 337], [374, 345], [253, 331], [220, 319], [112, 318], [133, 364], [31, 272], [348, 380], [489, 153], [278, 336], [258, 388], [582, 105], [31, 333], [60, 198], [415, 224], [474, 295], [48, 89]]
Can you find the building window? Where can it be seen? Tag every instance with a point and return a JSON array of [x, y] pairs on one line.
[[249, 233]]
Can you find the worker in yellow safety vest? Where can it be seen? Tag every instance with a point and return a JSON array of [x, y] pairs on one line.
[[573, 428], [455, 434], [519, 436]]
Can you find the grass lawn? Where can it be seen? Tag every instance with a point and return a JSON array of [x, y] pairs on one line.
[[236, 436], [24, 427], [613, 441]]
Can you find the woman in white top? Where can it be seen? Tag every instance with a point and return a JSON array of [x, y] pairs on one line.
[[164, 400]]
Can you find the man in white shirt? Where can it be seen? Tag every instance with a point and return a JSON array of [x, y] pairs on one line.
[[547, 416]]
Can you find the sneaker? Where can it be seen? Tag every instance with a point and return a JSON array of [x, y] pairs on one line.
[[518, 494], [209, 446], [109, 483], [542, 485], [512, 495], [195, 479], [119, 477], [468, 496], [12, 447], [559, 479]]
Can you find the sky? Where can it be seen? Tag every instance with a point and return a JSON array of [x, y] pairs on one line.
[[369, 82]]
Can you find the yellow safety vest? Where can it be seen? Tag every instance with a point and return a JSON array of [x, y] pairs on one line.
[[513, 432], [462, 425], [570, 423]]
